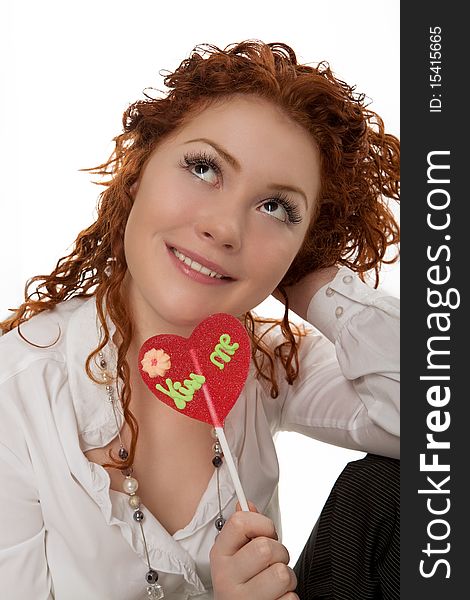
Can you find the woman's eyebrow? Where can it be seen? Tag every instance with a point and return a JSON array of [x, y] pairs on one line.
[[223, 153], [231, 160]]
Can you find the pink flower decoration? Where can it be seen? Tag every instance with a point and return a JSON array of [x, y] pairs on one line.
[[156, 362]]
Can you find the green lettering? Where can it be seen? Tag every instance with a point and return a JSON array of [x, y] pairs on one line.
[[223, 351], [179, 393], [225, 342], [171, 391], [200, 379]]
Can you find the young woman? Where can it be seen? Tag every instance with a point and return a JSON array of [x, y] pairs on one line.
[[253, 175]]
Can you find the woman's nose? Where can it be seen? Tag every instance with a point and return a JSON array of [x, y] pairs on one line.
[[222, 228]]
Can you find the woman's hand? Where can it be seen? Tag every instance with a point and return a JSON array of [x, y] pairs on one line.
[[300, 294], [248, 563]]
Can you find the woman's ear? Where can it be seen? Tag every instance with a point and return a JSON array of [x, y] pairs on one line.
[[133, 189]]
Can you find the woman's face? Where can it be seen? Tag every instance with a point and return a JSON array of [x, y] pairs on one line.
[[220, 211]]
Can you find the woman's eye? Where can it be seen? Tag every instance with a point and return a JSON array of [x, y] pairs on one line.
[[203, 166], [275, 209], [282, 209], [204, 172]]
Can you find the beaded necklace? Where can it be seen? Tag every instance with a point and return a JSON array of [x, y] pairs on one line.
[[130, 485]]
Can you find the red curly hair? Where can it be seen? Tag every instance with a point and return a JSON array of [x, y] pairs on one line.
[[352, 224]]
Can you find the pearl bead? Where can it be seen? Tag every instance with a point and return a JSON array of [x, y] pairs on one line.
[[214, 434], [134, 501], [219, 523], [130, 485], [123, 453]]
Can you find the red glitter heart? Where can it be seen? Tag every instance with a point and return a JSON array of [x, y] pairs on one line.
[[201, 376]]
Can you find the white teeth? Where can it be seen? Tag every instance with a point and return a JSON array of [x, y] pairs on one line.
[[192, 264]]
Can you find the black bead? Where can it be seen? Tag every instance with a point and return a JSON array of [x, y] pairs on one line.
[[123, 454], [138, 515], [219, 523], [151, 576], [217, 461]]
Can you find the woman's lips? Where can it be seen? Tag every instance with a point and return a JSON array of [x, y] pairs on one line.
[[196, 275]]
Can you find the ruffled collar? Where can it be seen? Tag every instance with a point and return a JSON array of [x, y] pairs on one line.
[[95, 417]]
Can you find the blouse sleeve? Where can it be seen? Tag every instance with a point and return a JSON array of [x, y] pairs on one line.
[[348, 390], [23, 566]]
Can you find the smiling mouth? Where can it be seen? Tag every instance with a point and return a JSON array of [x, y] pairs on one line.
[[195, 266]]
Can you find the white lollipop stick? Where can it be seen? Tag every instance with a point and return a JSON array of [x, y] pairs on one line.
[[231, 467], [223, 440]]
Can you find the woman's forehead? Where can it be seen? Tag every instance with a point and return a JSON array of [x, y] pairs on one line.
[[247, 125]]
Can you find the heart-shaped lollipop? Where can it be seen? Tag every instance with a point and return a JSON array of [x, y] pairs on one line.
[[201, 376]]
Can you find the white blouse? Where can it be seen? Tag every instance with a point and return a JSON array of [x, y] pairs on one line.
[[65, 535]]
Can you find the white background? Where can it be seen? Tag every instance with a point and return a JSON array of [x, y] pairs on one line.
[[67, 72]]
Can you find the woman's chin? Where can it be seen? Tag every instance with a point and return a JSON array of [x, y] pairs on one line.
[[185, 320]]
